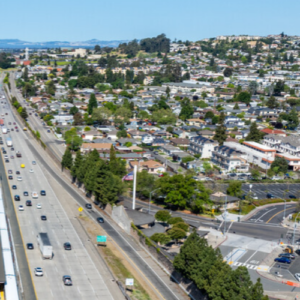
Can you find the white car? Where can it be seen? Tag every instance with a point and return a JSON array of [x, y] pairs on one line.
[[297, 276], [21, 207], [19, 178], [38, 272], [39, 206], [31, 171]]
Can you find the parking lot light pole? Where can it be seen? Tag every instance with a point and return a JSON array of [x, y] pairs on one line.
[[295, 225], [150, 199]]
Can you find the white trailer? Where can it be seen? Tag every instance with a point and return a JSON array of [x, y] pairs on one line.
[[4, 130], [45, 245]]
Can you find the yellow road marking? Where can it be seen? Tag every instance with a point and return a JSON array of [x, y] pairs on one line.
[[279, 213]]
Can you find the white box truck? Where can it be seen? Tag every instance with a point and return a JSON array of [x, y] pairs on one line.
[[45, 245], [4, 130], [9, 142]]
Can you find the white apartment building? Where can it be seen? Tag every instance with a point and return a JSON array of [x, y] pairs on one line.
[[203, 146]]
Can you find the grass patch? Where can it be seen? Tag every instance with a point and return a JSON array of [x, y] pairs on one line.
[[268, 201], [246, 209], [120, 271], [62, 63]]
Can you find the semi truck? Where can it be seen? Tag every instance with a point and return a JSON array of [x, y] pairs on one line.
[[4, 130], [8, 142], [44, 245], [1, 122]]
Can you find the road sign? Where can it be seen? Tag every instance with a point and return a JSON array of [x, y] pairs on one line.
[[129, 281], [80, 209], [101, 238]]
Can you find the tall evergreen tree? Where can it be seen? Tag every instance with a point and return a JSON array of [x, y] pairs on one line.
[[254, 135], [116, 165], [220, 134], [67, 159], [92, 104], [77, 164]]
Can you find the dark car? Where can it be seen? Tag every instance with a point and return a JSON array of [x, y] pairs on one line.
[[100, 220], [283, 260], [43, 193], [88, 205], [18, 172], [67, 246], [67, 280], [297, 251], [292, 197], [43, 218], [10, 177], [270, 196], [28, 203], [25, 193], [30, 246], [287, 255], [10, 172], [17, 198], [12, 149], [14, 187], [4, 152], [7, 160]]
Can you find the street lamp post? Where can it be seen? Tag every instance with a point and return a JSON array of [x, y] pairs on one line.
[[150, 199], [225, 213]]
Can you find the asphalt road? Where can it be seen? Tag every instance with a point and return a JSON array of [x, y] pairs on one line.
[[87, 281]]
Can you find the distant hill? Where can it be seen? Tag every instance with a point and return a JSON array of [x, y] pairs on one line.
[[15, 43]]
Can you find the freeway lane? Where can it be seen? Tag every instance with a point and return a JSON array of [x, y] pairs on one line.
[[88, 283]]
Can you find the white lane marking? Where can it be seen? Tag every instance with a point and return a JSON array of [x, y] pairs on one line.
[[265, 213]]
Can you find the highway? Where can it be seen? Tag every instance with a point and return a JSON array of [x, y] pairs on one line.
[[87, 281]]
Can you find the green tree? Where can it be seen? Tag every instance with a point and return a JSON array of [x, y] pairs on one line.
[[293, 119], [101, 115], [281, 164], [92, 104], [236, 106], [227, 72], [186, 109], [163, 116], [182, 226], [162, 215], [254, 135], [235, 188], [67, 159], [116, 165], [160, 238], [144, 183], [272, 102], [72, 139], [24, 113], [220, 133], [176, 233], [77, 164], [175, 220], [255, 174], [74, 110], [122, 115], [244, 97]]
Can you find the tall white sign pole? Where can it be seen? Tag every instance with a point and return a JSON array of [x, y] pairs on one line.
[[134, 187]]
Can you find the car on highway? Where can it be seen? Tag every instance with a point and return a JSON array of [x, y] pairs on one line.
[[30, 246], [39, 206], [10, 177], [25, 193], [14, 123], [14, 187], [10, 172], [28, 203], [270, 196], [12, 149], [297, 276], [88, 206], [34, 195], [17, 198], [43, 193], [7, 160], [12, 129], [287, 255], [67, 280], [283, 260], [5, 156], [22, 166], [12, 157], [34, 162], [4, 152], [292, 197], [31, 171], [38, 272], [100, 220], [43, 218], [21, 208], [19, 178], [18, 172], [67, 246]]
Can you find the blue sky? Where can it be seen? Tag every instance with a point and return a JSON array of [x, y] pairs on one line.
[[66, 20]]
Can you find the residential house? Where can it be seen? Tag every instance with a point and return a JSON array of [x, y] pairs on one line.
[[230, 159], [177, 142], [202, 145], [86, 147], [170, 150], [151, 166], [91, 135]]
